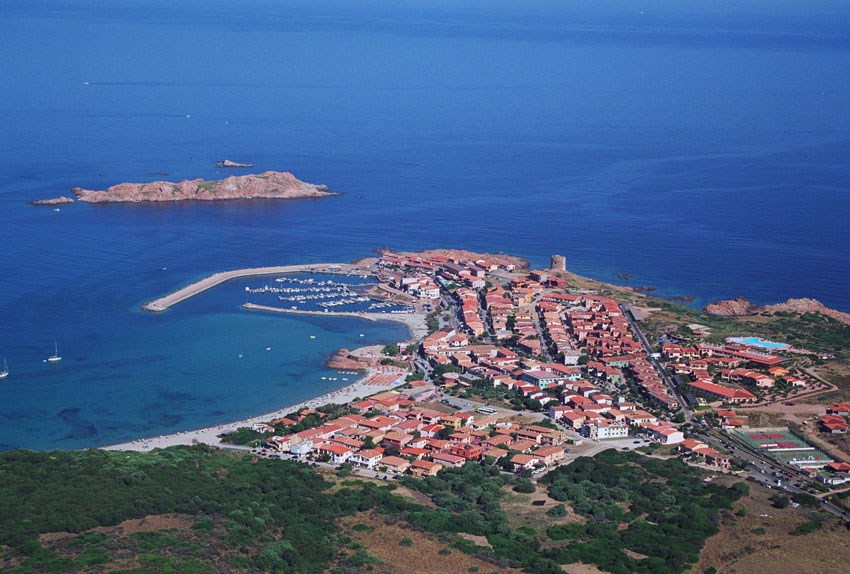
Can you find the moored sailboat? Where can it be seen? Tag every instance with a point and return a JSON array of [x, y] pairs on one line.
[[54, 358]]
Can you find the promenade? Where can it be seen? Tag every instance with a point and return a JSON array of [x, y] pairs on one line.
[[164, 303]]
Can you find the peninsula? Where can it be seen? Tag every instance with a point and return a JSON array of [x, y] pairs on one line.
[[269, 184]]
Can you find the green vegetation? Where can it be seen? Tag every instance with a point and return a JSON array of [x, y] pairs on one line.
[[524, 485], [557, 511], [391, 350], [250, 514], [432, 323], [780, 501], [265, 515], [668, 511], [811, 331], [804, 499], [806, 528]]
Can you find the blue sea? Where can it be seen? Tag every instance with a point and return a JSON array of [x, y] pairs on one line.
[[700, 147]]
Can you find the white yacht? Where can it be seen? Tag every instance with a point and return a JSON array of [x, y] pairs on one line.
[[54, 358]]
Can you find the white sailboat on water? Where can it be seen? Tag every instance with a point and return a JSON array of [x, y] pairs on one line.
[[5, 372], [54, 358]]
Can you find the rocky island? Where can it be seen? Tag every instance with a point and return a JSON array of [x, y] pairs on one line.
[[230, 163], [269, 184], [52, 201]]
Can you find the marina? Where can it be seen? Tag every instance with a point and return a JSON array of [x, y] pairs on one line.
[[164, 303], [327, 294]]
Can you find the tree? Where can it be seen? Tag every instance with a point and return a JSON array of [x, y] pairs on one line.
[[391, 350], [780, 501], [557, 511], [524, 485]]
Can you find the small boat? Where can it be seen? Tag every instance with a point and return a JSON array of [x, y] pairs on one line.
[[312, 336], [54, 358], [5, 372], [268, 348]]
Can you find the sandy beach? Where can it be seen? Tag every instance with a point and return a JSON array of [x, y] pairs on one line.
[[210, 435], [414, 322]]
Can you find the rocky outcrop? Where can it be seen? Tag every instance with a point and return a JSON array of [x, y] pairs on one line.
[[738, 307], [269, 184], [804, 305], [229, 163], [345, 361], [53, 201]]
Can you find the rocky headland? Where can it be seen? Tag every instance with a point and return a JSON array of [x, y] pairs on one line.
[[360, 359], [740, 307], [53, 201], [269, 184], [344, 360]]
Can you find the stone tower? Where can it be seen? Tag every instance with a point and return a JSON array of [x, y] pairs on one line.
[[559, 263]]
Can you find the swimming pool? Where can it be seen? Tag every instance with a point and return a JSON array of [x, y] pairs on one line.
[[758, 342]]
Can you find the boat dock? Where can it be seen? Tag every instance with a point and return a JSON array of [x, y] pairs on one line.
[[164, 303]]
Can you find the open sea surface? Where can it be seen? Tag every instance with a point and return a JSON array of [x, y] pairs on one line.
[[702, 149]]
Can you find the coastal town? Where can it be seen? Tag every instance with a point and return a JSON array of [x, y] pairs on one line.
[[522, 370]]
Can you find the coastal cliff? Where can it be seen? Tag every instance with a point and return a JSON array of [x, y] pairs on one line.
[[269, 184]]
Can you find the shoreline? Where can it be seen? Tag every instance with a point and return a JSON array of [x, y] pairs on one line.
[[414, 322], [209, 435], [173, 298]]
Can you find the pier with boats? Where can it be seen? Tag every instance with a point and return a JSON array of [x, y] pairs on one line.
[[327, 294]]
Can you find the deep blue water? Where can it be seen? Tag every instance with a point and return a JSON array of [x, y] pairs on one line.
[[702, 149]]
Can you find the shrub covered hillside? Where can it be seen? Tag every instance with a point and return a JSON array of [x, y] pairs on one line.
[[237, 513], [659, 509], [257, 514]]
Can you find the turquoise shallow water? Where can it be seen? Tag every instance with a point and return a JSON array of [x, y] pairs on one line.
[[702, 149]]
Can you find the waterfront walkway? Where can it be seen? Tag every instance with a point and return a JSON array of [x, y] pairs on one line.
[[163, 303]]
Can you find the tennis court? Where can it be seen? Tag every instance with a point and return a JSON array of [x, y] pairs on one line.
[[785, 447], [772, 440]]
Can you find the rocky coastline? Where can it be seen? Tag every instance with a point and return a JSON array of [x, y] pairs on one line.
[[268, 185], [740, 307]]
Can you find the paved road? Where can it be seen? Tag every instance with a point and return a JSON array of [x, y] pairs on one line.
[[768, 472], [662, 372]]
